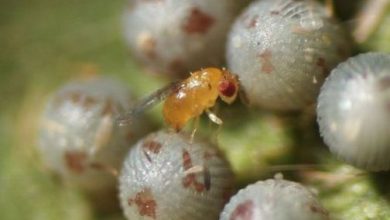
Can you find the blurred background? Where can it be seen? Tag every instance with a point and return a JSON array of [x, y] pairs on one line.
[[44, 43]]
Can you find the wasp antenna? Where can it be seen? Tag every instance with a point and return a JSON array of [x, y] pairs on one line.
[[195, 129]]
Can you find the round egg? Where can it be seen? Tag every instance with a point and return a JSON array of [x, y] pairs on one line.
[[173, 37], [274, 199], [169, 176], [282, 50], [354, 111], [79, 138]]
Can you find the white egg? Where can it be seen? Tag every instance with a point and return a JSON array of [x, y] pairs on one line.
[[274, 199], [79, 138], [174, 37], [166, 176], [354, 111], [282, 50]]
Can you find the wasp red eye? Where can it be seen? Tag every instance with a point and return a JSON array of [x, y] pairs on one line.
[[227, 88]]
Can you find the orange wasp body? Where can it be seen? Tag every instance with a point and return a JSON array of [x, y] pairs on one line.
[[189, 98]]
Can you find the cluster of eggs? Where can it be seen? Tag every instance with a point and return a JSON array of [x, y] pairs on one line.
[[281, 52]]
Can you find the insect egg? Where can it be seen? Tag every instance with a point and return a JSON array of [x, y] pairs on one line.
[[282, 51], [166, 176], [354, 111], [274, 199], [174, 37], [79, 138]]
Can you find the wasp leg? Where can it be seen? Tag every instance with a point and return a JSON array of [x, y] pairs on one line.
[[213, 117], [194, 170], [194, 129]]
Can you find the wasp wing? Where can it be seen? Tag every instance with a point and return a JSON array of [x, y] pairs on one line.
[[148, 102]]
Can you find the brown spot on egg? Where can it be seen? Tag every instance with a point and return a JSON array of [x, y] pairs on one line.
[[75, 161], [189, 181], [243, 211], [152, 146], [198, 22], [266, 64], [199, 187], [145, 203], [187, 162]]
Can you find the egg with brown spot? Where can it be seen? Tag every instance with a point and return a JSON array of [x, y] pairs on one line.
[[174, 37], [184, 179], [79, 138], [274, 199], [277, 48]]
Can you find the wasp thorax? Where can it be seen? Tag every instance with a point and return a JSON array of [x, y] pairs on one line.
[[198, 93]]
